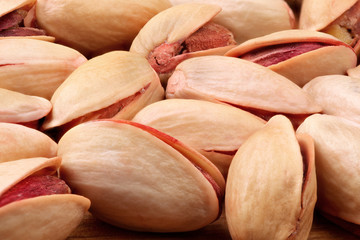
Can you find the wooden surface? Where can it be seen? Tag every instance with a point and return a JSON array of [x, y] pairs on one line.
[[92, 229]]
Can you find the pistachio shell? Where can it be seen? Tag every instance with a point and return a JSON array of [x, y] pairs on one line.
[[38, 218], [354, 72], [48, 63], [113, 24], [337, 156], [160, 190], [238, 82], [172, 25], [316, 15], [17, 141], [215, 130], [17, 107], [9, 6], [266, 16], [101, 82], [337, 95], [266, 197], [333, 59]]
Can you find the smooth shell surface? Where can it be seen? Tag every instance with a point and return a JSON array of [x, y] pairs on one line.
[[338, 95], [266, 197], [238, 82], [17, 142], [248, 19], [17, 107], [38, 218], [337, 164], [113, 24], [36, 67], [103, 81], [160, 189], [316, 15], [333, 59], [215, 130]]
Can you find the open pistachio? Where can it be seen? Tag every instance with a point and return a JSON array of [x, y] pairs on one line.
[[112, 24], [271, 185], [337, 95], [113, 85], [23, 109], [337, 164], [266, 16], [215, 130], [35, 67], [180, 32], [299, 55], [35, 204], [17, 20], [18, 141], [338, 18], [139, 178], [240, 83]]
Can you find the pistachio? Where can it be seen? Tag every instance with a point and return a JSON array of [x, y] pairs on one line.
[[337, 95], [29, 210], [164, 187], [266, 16], [17, 20], [336, 157], [338, 18], [354, 72], [181, 32], [18, 141], [216, 133], [24, 109], [240, 83], [271, 185], [37, 68], [299, 55], [112, 25], [113, 85]]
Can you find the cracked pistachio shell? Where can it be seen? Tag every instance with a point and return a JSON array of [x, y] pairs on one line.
[[9, 6], [36, 67], [111, 25], [139, 178], [18, 141], [271, 185], [102, 81], [337, 95], [337, 164], [215, 130], [336, 58], [316, 15], [238, 82], [266, 16], [38, 218], [21, 108]]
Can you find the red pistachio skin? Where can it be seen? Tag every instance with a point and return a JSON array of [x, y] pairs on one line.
[[166, 57], [34, 186]]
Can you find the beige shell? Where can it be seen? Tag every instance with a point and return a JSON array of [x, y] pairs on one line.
[[354, 72], [215, 130], [37, 67], [20, 108], [38, 218], [337, 95], [238, 82], [333, 59], [103, 81], [112, 25], [337, 164], [139, 178], [17, 141], [316, 15], [248, 19], [271, 186]]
